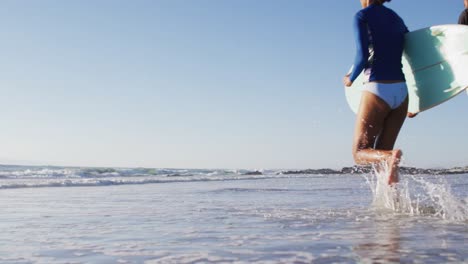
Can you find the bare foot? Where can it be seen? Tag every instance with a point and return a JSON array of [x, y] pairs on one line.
[[393, 167]]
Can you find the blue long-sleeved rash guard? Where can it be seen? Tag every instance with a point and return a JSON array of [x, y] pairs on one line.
[[381, 29]]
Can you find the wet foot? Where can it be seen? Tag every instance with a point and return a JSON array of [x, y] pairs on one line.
[[393, 167]]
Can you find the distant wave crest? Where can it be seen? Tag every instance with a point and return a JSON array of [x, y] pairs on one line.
[[12, 176]]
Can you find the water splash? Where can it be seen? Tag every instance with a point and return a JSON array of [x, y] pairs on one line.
[[415, 196], [443, 203]]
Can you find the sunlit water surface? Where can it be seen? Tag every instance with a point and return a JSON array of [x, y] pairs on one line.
[[262, 219]]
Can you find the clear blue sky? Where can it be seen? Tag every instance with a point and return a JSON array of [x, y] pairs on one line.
[[198, 84]]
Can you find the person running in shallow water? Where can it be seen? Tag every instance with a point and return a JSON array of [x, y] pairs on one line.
[[463, 19], [384, 100]]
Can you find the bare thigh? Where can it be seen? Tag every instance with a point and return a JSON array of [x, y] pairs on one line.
[[370, 121], [392, 125]]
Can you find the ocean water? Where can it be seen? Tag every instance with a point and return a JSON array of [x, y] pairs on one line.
[[85, 215]]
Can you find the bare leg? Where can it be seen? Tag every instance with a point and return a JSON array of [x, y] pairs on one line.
[[392, 125], [376, 130], [392, 164], [388, 137]]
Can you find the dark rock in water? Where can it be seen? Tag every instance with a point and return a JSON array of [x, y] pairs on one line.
[[403, 170], [368, 169], [356, 170], [416, 171], [407, 170], [253, 173], [457, 170]]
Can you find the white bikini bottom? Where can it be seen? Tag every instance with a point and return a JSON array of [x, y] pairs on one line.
[[394, 94]]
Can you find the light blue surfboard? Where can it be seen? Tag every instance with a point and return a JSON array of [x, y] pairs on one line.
[[435, 64]]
